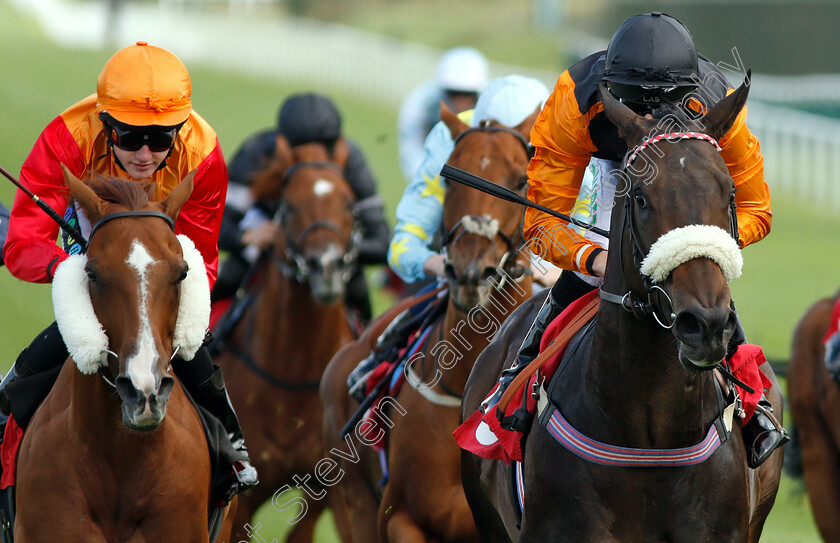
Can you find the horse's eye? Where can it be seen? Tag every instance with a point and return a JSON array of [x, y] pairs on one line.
[[92, 277], [523, 182], [640, 199], [183, 275]]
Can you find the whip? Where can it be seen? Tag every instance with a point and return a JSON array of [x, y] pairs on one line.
[[479, 183], [67, 227]]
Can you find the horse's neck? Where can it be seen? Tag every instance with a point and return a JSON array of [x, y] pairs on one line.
[[287, 315], [463, 335], [95, 419], [636, 379], [94, 405]]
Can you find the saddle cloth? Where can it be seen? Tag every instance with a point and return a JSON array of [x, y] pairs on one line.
[[218, 309], [388, 376], [482, 433], [12, 438]]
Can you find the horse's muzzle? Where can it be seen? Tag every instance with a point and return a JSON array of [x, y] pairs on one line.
[[704, 335], [142, 412], [328, 275], [471, 288]]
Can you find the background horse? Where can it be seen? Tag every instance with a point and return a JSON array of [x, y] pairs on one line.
[[815, 407], [99, 462], [295, 322], [636, 384], [423, 499]]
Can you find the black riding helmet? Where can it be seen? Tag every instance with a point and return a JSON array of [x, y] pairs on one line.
[[307, 118], [651, 60]]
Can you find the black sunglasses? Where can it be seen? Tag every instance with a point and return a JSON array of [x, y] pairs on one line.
[[133, 138], [645, 98]]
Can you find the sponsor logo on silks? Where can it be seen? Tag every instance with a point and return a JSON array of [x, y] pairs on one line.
[[71, 245]]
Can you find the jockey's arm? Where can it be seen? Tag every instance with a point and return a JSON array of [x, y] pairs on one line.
[[420, 212], [31, 253], [742, 154]]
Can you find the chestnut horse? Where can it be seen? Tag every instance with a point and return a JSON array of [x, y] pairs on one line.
[[121, 455], [274, 358], [815, 407], [423, 499], [633, 383]]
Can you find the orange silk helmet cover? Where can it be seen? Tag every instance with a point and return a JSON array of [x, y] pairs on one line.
[[145, 85]]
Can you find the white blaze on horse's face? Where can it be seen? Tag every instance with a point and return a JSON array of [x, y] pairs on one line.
[[485, 162], [323, 187], [140, 365]]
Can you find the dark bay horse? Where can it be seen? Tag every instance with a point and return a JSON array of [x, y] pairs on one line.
[[487, 277], [815, 407], [637, 385], [274, 358], [121, 456]]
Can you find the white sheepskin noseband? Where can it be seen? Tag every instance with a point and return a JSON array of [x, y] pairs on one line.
[[689, 242], [83, 334]]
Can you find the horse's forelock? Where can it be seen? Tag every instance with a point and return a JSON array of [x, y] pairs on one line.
[[311, 152], [671, 118], [131, 194]]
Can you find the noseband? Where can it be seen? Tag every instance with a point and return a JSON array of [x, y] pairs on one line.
[[294, 264], [657, 302], [487, 227]]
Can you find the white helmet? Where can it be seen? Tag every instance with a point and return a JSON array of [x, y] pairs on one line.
[[509, 100], [462, 69]]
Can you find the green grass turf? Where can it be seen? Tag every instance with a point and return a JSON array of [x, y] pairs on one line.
[[783, 274]]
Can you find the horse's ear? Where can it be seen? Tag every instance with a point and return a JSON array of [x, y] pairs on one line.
[[172, 204], [282, 149], [267, 184], [84, 195], [720, 118], [340, 152], [525, 126], [631, 127], [451, 120]]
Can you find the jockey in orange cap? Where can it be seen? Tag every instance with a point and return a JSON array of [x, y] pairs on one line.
[[139, 125]]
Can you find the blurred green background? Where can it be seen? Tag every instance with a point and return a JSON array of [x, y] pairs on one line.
[[783, 275]]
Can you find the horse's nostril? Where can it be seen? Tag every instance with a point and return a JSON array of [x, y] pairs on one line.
[[489, 272], [731, 323], [127, 390], [165, 389], [449, 270], [688, 328]]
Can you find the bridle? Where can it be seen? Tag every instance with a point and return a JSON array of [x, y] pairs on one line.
[[486, 226], [294, 265], [134, 213], [121, 215], [656, 301]]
